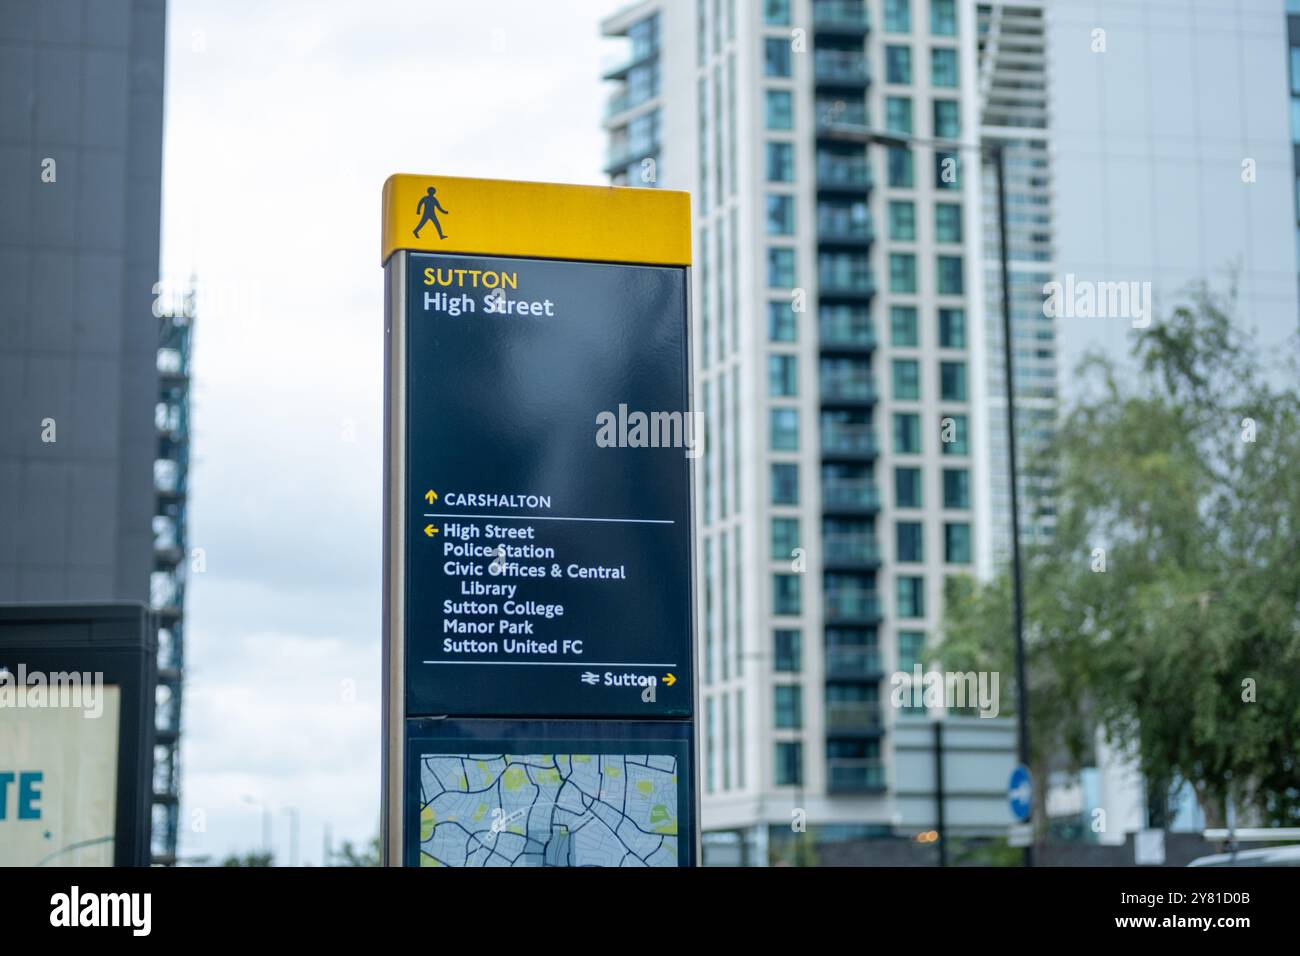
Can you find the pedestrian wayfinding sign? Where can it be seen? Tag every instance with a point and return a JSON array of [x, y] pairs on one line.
[[539, 441]]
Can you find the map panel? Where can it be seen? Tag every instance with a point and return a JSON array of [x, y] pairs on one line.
[[493, 809]]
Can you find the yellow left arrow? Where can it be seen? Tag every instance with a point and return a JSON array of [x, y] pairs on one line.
[[430, 530]]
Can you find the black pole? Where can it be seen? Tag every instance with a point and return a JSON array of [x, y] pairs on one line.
[[938, 792], [1022, 696]]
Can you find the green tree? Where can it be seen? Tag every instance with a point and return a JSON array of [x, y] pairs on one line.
[[352, 856], [1184, 484], [249, 859]]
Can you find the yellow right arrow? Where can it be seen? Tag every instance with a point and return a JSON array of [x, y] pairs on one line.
[[669, 679]]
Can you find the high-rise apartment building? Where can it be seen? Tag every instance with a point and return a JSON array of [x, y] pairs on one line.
[[1175, 131], [1013, 103], [848, 299], [93, 381], [840, 360]]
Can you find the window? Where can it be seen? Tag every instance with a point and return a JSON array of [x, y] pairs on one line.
[[911, 648], [898, 16], [782, 376], [943, 18], [898, 114], [947, 170], [785, 483], [902, 272], [789, 763], [953, 439], [902, 326], [898, 64], [787, 700], [901, 175], [785, 538], [907, 487], [943, 67], [911, 596], [956, 488], [780, 162], [785, 594], [902, 220], [776, 56], [776, 12], [952, 381], [949, 275], [947, 119], [909, 534], [778, 109], [780, 268], [947, 222], [786, 654], [956, 542], [952, 328], [780, 215], [907, 433], [781, 322], [784, 429], [907, 380]]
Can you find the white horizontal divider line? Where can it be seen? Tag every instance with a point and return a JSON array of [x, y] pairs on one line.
[[553, 518], [552, 663]]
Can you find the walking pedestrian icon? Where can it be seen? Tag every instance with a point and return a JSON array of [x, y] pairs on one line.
[[428, 207]]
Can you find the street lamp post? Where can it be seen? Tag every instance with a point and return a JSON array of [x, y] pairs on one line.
[[996, 151]]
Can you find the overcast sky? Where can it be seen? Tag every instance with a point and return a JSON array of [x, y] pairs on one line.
[[283, 120]]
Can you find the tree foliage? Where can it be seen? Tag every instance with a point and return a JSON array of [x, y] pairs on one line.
[[1186, 648]]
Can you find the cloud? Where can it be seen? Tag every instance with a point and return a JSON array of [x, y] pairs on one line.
[[283, 120]]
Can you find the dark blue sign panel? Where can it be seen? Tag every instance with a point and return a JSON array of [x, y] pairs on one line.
[[549, 793], [548, 450]]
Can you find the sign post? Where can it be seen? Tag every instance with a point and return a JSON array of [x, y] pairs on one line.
[[538, 599]]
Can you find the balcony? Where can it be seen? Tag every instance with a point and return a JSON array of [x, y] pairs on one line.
[[843, 173], [854, 776], [617, 68], [856, 718], [835, 68], [852, 604], [853, 662], [845, 277], [841, 17], [848, 439], [619, 156], [831, 113], [855, 333], [839, 225], [624, 99], [850, 495], [850, 550], [848, 389]]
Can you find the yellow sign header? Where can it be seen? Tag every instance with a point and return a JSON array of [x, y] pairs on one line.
[[501, 217]]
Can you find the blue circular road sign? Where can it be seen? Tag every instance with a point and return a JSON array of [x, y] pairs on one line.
[[1020, 794]]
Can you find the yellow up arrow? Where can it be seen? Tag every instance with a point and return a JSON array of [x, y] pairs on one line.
[[431, 496]]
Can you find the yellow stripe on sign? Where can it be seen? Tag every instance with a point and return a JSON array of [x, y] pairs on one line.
[[501, 217]]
